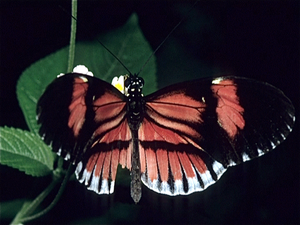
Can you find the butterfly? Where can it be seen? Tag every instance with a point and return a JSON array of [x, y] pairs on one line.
[[176, 141]]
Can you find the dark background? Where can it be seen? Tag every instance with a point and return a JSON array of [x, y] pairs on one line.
[[255, 39]]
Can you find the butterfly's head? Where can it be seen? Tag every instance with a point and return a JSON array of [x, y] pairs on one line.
[[134, 84]]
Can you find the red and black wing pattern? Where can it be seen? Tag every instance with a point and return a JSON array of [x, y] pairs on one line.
[[190, 133], [83, 119], [194, 130]]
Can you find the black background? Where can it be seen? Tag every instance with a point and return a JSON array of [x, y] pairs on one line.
[[255, 39]]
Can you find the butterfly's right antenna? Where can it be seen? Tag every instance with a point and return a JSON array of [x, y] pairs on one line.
[[164, 40]]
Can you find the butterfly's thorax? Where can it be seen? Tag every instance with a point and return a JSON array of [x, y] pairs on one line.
[[135, 102]]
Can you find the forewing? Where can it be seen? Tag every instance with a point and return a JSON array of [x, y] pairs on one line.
[[194, 130]]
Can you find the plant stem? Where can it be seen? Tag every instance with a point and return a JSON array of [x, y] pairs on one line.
[[29, 208], [72, 36], [57, 197]]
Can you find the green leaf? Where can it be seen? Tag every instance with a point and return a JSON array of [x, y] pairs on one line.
[[127, 43], [25, 151]]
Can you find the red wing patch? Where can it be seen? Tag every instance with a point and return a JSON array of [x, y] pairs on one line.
[[107, 119], [99, 168], [171, 163], [77, 106], [112, 146], [177, 105], [177, 111], [229, 110], [106, 107]]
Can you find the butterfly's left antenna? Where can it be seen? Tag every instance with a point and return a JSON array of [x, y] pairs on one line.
[[72, 40], [114, 56]]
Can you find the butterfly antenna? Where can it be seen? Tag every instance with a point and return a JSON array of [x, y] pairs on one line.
[[103, 45], [164, 40], [114, 56], [62, 8]]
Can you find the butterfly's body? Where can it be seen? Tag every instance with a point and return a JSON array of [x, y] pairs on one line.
[[135, 115], [178, 140]]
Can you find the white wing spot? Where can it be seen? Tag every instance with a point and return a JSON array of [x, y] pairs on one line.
[[59, 152], [245, 157], [289, 127], [84, 79], [217, 80], [218, 168], [273, 145], [94, 184], [165, 188], [231, 163], [178, 187], [112, 187], [78, 168], [260, 152], [68, 156]]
